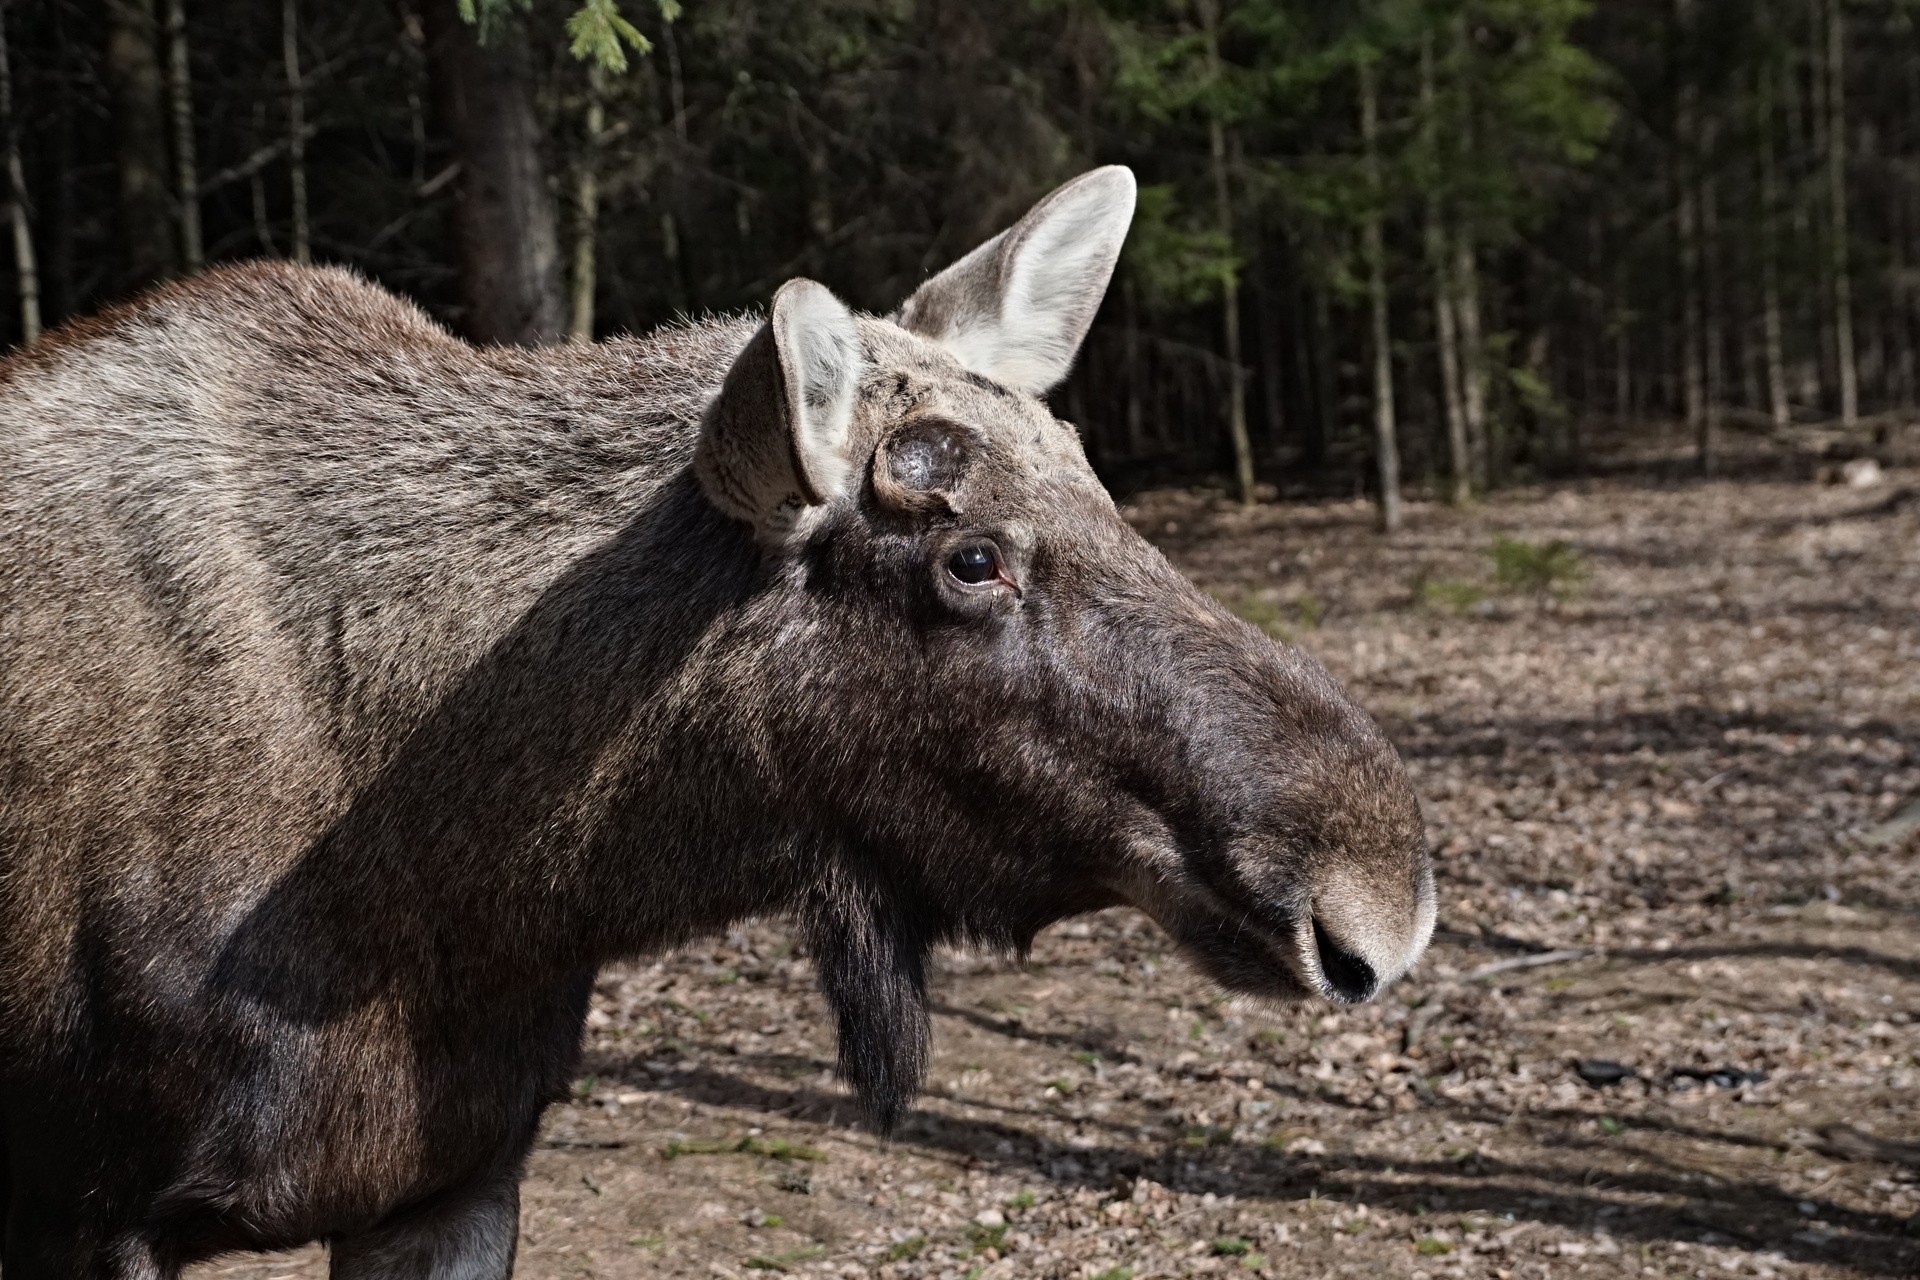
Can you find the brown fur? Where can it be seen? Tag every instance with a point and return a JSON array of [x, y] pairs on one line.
[[362, 692]]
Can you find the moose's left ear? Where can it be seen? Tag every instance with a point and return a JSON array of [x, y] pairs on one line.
[[1017, 308], [775, 441]]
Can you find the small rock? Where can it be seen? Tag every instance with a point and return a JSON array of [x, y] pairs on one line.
[[1861, 473], [1601, 1072], [990, 1218]]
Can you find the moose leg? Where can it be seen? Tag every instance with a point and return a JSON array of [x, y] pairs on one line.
[[469, 1235]]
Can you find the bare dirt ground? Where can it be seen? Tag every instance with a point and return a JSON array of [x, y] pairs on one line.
[[1685, 769]]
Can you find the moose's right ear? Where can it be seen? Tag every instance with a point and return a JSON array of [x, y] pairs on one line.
[[775, 441]]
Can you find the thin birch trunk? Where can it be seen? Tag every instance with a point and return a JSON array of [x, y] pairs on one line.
[[1473, 364], [1230, 285], [1712, 332], [1775, 331], [1446, 336], [186, 177], [1136, 411], [1837, 214], [1386, 441], [257, 186], [1466, 301], [26, 266], [586, 211], [1693, 389], [296, 128]]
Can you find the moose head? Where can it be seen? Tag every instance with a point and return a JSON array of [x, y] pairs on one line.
[[990, 702]]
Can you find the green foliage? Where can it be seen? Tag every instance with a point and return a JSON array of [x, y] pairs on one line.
[[1537, 567], [985, 1238], [596, 31], [1116, 1273], [1202, 1136], [1451, 594], [1024, 1199], [1432, 1247], [1175, 258], [782, 1261], [1232, 1246], [905, 1250]]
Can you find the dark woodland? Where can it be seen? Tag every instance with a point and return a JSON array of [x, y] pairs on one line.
[[1445, 244]]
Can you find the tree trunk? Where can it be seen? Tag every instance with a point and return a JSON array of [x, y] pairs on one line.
[[1693, 382], [1136, 411], [180, 107], [296, 129], [140, 141], [505, 227], [1712, 331], [1230, 285], [1774, 330], [586, 210], [26, 268], [1473, 351], [1837, 213], [1386, 441], [1446, 336]]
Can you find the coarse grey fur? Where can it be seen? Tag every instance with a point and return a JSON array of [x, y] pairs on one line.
[[362, 692]]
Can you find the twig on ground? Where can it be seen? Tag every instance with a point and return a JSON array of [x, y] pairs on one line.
[[1849, 1143], [1526, 962]]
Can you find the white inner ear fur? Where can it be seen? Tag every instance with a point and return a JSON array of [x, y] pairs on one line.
[[1017, 308], [820, 362]]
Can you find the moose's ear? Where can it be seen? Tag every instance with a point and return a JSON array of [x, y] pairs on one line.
[[775, 441], [1017, 308]]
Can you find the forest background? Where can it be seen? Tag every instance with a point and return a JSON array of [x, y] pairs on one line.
[[1433, 245]]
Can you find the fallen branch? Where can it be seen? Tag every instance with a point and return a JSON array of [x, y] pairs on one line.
[[1896, 828], [1526, 962], [1849, 1143]]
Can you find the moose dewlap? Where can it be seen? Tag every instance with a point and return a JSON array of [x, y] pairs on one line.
[[362, 692]]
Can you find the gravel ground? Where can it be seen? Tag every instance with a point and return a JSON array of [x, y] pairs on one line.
[[1664, 792]]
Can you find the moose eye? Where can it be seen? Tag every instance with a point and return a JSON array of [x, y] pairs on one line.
[[975, 563]]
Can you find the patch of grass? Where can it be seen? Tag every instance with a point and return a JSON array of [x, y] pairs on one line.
[[1540, 568], [1087, 1059], [1451, 595], [906, 1250], [1611, 1125], [726, 977], [985, 1238], [1232, 1246], [1201, 1136], [1064, 1085], [1309, 610], [1260, 611], [647, 1242], [1024, 1200], [1254, 1261], [1354, 1226], [583, 1087], [1431, 1247], [772, 1148], [1116, 1273], [781, 1261]]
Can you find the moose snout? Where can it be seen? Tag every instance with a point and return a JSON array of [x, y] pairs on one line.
[[1360, 935]]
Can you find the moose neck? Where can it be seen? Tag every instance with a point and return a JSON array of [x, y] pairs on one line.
[[568, 795]]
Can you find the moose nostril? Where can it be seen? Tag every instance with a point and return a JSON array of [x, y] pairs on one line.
[[1349, 978]]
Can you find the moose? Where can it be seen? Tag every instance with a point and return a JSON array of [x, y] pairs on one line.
[[364, 692]]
